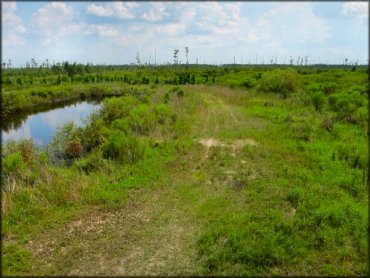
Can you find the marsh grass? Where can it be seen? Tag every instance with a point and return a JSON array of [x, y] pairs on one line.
[[269, 180]]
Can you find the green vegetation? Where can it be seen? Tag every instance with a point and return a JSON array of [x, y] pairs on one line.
[[197, 170]]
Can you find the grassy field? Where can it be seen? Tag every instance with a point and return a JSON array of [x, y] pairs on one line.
[[255, 171]]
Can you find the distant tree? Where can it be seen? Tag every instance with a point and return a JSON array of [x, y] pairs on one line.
[[138, 62], [175, 56], [33, 63], [186, 54]]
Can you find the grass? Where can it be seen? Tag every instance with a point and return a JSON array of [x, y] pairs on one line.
[[204, 179]]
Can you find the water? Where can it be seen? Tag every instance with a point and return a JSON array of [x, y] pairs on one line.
[[42, 126]]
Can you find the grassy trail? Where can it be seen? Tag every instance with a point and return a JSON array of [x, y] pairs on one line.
[[156, 232]]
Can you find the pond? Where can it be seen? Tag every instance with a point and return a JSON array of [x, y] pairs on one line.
[[42, 126]]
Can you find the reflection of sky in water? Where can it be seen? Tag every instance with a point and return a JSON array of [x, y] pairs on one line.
[[42, 126]]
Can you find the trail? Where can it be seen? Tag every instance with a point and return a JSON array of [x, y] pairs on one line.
[[157, 231]]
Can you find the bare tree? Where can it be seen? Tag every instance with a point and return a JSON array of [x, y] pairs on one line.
[[175, 56], [138, 58], [186, 54]]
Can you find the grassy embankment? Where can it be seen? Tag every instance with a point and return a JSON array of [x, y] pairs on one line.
[[198, 179]]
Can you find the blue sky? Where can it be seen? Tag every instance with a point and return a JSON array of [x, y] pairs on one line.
[[215, 32]]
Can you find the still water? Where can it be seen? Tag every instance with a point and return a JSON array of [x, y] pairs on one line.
[[41, 127]]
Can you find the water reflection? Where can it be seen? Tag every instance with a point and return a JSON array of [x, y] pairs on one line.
[[42, 126]]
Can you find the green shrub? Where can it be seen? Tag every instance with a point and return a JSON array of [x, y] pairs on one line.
[[279, 81], [164, 114], [142, 119], [318, 101], [13, 163], [249, 82], [122, 125], [328, 87], [362, 116], [115, 108], [302, 131], [125, 148], [332, 101], [345, 107], [94, 162], [92, 132]]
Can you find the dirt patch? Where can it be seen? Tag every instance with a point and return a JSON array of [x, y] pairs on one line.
[[149, 236], [236, 144], [211, 142]]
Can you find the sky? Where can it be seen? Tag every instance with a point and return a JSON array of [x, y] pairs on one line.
[[214, 32]]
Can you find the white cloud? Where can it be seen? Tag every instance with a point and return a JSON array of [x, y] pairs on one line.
[[157, 13], [124, 10], [52, 15], [357, 9], [227, 22], [54, 21], [9, 7], [296, 22], [102, 30], [121, 10], [12, 24], [313, 28], [99, 10]]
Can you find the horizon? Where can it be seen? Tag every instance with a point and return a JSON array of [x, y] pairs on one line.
[[217, 33]]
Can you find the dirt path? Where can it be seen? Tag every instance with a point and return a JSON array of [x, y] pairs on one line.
[[156, 232]]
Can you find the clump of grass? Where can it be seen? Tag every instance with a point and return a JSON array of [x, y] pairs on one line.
[[280, 82]]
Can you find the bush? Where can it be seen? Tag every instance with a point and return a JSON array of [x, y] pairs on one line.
[[142, 119], [164, 114], [362, 116], [126, 148], [13, 163], [115, 108], [302, 131], [122, 125], [278, 81], [73, 149], [329, 87], [249, 82], [345, 107], [92, 163], [92, 132], [318, 101]]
